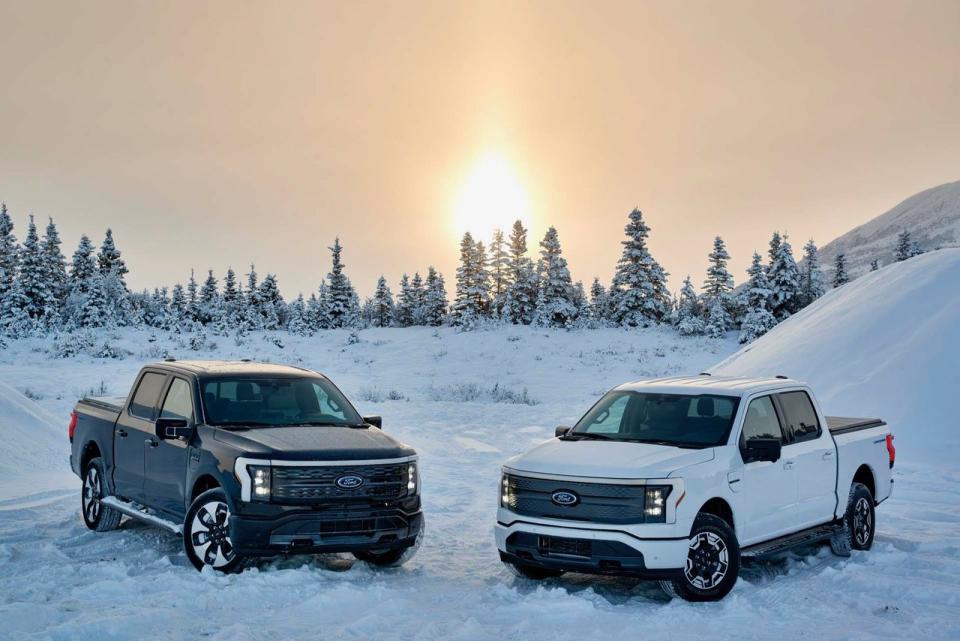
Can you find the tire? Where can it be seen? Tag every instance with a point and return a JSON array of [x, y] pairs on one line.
[[859, 522], [392, 558], [97, 516], [713, 562], [532, 571], [206, 533]]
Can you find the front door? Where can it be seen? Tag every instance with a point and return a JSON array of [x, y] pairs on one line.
[[766, 491], [166, 459], [133, 429]]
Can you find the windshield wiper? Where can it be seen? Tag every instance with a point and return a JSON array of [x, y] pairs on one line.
[[243, 424], [588, 436], [681, 444]]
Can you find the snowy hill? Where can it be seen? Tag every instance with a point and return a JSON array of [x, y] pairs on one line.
[[886, 344], [932, 216]]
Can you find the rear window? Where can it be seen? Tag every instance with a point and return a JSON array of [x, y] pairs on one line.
[[144, 403], [800, 416]]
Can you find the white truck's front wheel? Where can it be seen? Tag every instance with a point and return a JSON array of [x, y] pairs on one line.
[[713, 562]]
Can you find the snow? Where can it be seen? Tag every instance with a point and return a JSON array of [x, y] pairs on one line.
[[60, 581], [932, 217], [886, 345]]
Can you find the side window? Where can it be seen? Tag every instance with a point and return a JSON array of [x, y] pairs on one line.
[[144, 403], [761, 421], [178, 403], [800, 416]]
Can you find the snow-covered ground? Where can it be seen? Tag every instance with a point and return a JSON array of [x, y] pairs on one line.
[[466, 401]]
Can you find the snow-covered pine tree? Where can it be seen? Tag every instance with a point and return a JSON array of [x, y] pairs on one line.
[[252, 306], [33, 274], [638, 293], [784, 278], [9, 253], [178, 305], [419, 299], [718, 319], [599, 305], [499, 272], [193, 298], [906, 248], [343, 306], [874, 265], [555, 300], [581, 302], [382, 307], [811, 276], [297, 317], [231, 297], [688, 319], [840, 276], [211, 305], [109, 258], [55, 266], [15, 321], [312, 314], [116, 298], [272, 304], [321, 318], [758, 319], [472, 300], [83, 266], [406, 305], [434, 299], [718, 286], [520, 298]]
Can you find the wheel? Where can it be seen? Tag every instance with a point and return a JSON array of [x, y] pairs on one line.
[[859, 522], [96, 515], [206, 533], [532, 571], [392, 558], [713, 562]]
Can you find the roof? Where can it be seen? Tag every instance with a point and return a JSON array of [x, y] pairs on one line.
[[707, 384], [233, 367]]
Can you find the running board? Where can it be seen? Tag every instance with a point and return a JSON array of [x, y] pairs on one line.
[[784, 543], [135, 511]]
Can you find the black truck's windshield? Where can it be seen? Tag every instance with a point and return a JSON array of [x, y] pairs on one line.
[[678, 420], [276, 402]]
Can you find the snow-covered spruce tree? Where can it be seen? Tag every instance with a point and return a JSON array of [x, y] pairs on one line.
[[434, 299], [811, 277], [178, 306], [499, 272], [272, 304], [840, 276], [906, 248], [193, 298], [343, 306], [83, 266], [473, 296], [210, 309], [321, 314], [406, 306], [555, 300], [15, 321], [55, 265], [638, 294], [688, 318], [109, 258], [252, 309], [116, 299], [874, 265], [582, 303], [520, 298], [784, 278], [758, 319], [231, 297], [599, 305], [9, 253], [382, 308], [297, 317], [419, 293], [718, 286], [95, 311], [33, 275]]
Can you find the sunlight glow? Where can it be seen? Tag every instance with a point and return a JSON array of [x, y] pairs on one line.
[[492, 197]]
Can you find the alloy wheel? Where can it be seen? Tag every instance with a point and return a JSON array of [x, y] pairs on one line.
[[210, 534], [91, 495], [862, 521], [707, 560]]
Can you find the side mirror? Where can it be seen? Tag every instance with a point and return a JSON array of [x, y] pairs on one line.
[[761, 449], [173, 428], [376, 421], [563, 430]]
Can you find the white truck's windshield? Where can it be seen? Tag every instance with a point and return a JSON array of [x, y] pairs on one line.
[[669, 419], [276, 402]]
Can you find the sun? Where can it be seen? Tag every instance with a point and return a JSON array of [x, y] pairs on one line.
[[492, 197]]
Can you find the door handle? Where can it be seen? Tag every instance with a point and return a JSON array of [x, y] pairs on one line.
[[788, 465], [152, 442], [122, 433], [827, 456]]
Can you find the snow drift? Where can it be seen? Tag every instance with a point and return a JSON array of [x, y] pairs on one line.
[[886, 344]]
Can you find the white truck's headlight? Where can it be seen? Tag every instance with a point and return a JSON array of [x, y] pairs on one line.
[[260, 476], [655, 503], [412, 484], [506, 492]]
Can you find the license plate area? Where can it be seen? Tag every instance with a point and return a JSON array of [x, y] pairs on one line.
[[559, 546]]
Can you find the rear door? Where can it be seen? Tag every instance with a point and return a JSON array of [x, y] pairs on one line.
[[134, 427], [766, 491], [166, 459], [815, 458]]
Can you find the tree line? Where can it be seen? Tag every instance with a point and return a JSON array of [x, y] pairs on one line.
[[42, 292]]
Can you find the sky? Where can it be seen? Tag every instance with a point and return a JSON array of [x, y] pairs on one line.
[[209, 134]]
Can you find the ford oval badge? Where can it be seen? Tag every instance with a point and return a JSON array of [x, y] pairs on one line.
[[349, 481], [565, 498]]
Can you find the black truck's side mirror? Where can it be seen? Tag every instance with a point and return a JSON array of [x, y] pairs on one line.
[[562, 430], [761, 449], [376, 421], [173, 428]]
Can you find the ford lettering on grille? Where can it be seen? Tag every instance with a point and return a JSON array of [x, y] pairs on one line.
[[349, 481], [565, 498]]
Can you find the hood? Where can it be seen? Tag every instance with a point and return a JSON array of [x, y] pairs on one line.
[[314, 443], [607, 459]]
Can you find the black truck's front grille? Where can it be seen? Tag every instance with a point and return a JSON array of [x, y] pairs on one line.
[[317, 484], [593, 502]]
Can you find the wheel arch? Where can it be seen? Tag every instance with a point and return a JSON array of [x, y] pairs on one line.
[[721, 509], [865, 475], [91, 450], [201, 484]]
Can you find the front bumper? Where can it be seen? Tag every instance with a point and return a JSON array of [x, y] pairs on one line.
[[592, 551], [346, 529]]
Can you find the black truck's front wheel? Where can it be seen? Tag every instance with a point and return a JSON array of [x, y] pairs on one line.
[[96, 515], [206, 533]]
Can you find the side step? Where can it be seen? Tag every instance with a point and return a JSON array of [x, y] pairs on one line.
[[138, 512], [784, 543]]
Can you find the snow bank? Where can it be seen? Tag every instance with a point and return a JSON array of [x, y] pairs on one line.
[[886, 344]]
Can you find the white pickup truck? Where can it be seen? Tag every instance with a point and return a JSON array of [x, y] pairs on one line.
[[676, 479]]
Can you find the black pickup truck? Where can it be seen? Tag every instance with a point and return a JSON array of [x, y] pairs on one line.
[[247, 460]]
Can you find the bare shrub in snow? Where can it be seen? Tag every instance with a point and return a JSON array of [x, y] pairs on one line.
[[473, 392]]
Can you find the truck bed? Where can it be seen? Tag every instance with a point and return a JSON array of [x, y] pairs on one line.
[[845, 424], [108, 403]]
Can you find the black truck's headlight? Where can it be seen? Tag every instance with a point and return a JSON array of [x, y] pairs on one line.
[[655, 503], [413, 485], [260, 476]]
